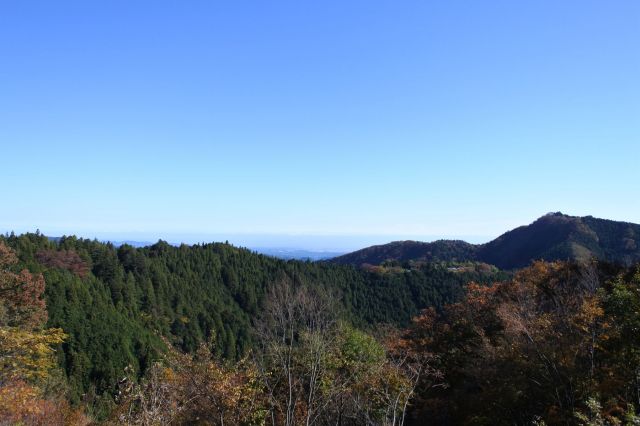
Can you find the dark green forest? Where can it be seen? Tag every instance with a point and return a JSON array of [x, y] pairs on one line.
[[116, 303], [212, 334]]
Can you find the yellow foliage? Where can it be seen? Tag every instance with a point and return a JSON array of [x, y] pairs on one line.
[[27, 355]]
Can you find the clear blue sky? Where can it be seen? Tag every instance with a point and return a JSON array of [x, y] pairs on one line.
[[149, 119]]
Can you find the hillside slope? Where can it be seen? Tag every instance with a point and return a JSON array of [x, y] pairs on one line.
[[554, 236], [116, 303], [441, 250]]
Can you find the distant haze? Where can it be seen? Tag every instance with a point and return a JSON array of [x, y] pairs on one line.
[[334, 244]]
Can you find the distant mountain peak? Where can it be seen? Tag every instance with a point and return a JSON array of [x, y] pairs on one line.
[[554, 236]]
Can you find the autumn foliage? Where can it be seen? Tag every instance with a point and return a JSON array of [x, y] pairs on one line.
[[554, 343], [188, 389], [27, 351], [64, 259], [535, 348], [309, 369], [21, 293]]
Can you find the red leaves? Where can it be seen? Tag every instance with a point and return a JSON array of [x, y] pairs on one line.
[[26, 353], [64, 259], [21, 294], [530, 346], [7, 256]]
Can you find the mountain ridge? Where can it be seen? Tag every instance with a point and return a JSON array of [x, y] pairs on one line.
[[554, 236]]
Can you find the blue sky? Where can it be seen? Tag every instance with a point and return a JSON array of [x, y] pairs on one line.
[[351, 120]]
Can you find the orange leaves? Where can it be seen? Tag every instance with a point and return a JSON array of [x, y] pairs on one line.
[[479, 295], [589, 313], [419, 337], [537, 345], [17, 401], [7, 256], [24, 404], [21, 403]]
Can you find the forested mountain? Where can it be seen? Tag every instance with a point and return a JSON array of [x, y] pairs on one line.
[[117, 303], [402, 251], [212, 334], [554, 236]]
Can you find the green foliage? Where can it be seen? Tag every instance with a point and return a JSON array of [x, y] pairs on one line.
[[359, 348], [553, 343], [116, 302]]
